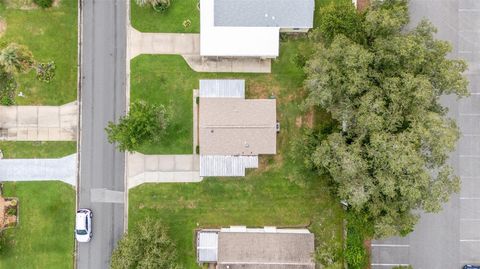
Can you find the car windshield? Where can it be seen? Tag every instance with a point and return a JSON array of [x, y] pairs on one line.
[[81, 232]]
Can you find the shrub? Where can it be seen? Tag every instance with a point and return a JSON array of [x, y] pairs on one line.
[[187, 23], [45, 71], [358, 230], [43, 3], [8, 86], [162, 5], [146, 246]]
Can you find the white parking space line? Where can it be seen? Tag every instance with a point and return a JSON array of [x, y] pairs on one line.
[[390, 245], [469, 240], [468, 156], [390, 264], [469, 198]]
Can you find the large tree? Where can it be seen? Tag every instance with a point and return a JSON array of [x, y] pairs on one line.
[[145, 122], [390, 157], [147, 246]]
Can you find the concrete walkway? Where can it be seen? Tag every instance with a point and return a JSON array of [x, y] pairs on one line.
[[234, 65], [39, 123], [161, 169], [188, 45], [64, 169]]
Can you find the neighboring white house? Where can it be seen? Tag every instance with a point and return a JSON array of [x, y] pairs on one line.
[[233, 130], [250, 28], [239, 247]]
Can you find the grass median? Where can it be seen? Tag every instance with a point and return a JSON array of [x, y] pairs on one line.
[[39, 150]]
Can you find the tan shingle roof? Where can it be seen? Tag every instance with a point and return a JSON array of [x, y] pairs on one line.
[[235, 126], [265, 250]]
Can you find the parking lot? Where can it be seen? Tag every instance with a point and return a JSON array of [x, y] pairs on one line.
[[451, 238]]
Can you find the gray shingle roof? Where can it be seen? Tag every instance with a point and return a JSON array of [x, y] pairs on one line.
[[264, 13]]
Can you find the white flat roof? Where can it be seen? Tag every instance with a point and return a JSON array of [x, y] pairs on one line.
[[235, 41]]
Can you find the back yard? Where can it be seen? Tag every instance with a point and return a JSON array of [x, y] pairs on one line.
[[44, 235]]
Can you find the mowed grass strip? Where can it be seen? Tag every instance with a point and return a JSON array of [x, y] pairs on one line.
[[51, 35], [44, 236], [38, 150], [145, 19]]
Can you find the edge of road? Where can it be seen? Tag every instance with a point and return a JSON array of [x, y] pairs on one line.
[[127, 107], [79, 100]]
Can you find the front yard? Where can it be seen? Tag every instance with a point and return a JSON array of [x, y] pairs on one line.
[[51, 35], [43, 237], [145, 19]]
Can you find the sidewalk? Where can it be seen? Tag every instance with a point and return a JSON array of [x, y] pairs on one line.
[[39, 123], [161, 169], [63, 169]]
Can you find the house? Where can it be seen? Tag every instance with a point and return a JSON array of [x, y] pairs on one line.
[[233, 130], [256, 248], [250, 28]]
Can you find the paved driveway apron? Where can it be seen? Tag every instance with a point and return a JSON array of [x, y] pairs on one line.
[[450, 238], [101, 184]]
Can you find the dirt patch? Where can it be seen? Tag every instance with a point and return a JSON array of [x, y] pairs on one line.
[[262, 90], [20, 4], [308, 119], [362, 4], [3, 26], [298, 121], [56, 3]]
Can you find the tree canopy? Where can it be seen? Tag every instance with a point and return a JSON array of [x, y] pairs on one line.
[[384, 89], [144, 123], [148, 246]]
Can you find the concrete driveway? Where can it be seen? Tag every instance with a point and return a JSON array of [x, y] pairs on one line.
[[451, 238], [63, 169], [39, 123], [162, 169]]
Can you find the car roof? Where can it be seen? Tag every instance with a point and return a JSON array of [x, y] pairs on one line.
[[80, 220]]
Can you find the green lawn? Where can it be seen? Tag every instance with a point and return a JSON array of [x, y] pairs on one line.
[[270, 198], [24, 149], [168, 80], [145, 19], [51, 35], [44, 236], [280, 193]]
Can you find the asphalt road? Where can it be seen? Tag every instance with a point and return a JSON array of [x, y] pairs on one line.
[[101, 181], [451, 238]]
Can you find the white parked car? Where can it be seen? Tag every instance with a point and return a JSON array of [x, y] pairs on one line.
[[83, 225]]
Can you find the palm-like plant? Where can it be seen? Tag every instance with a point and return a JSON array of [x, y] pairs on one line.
[[16, 58], [160, 5]]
